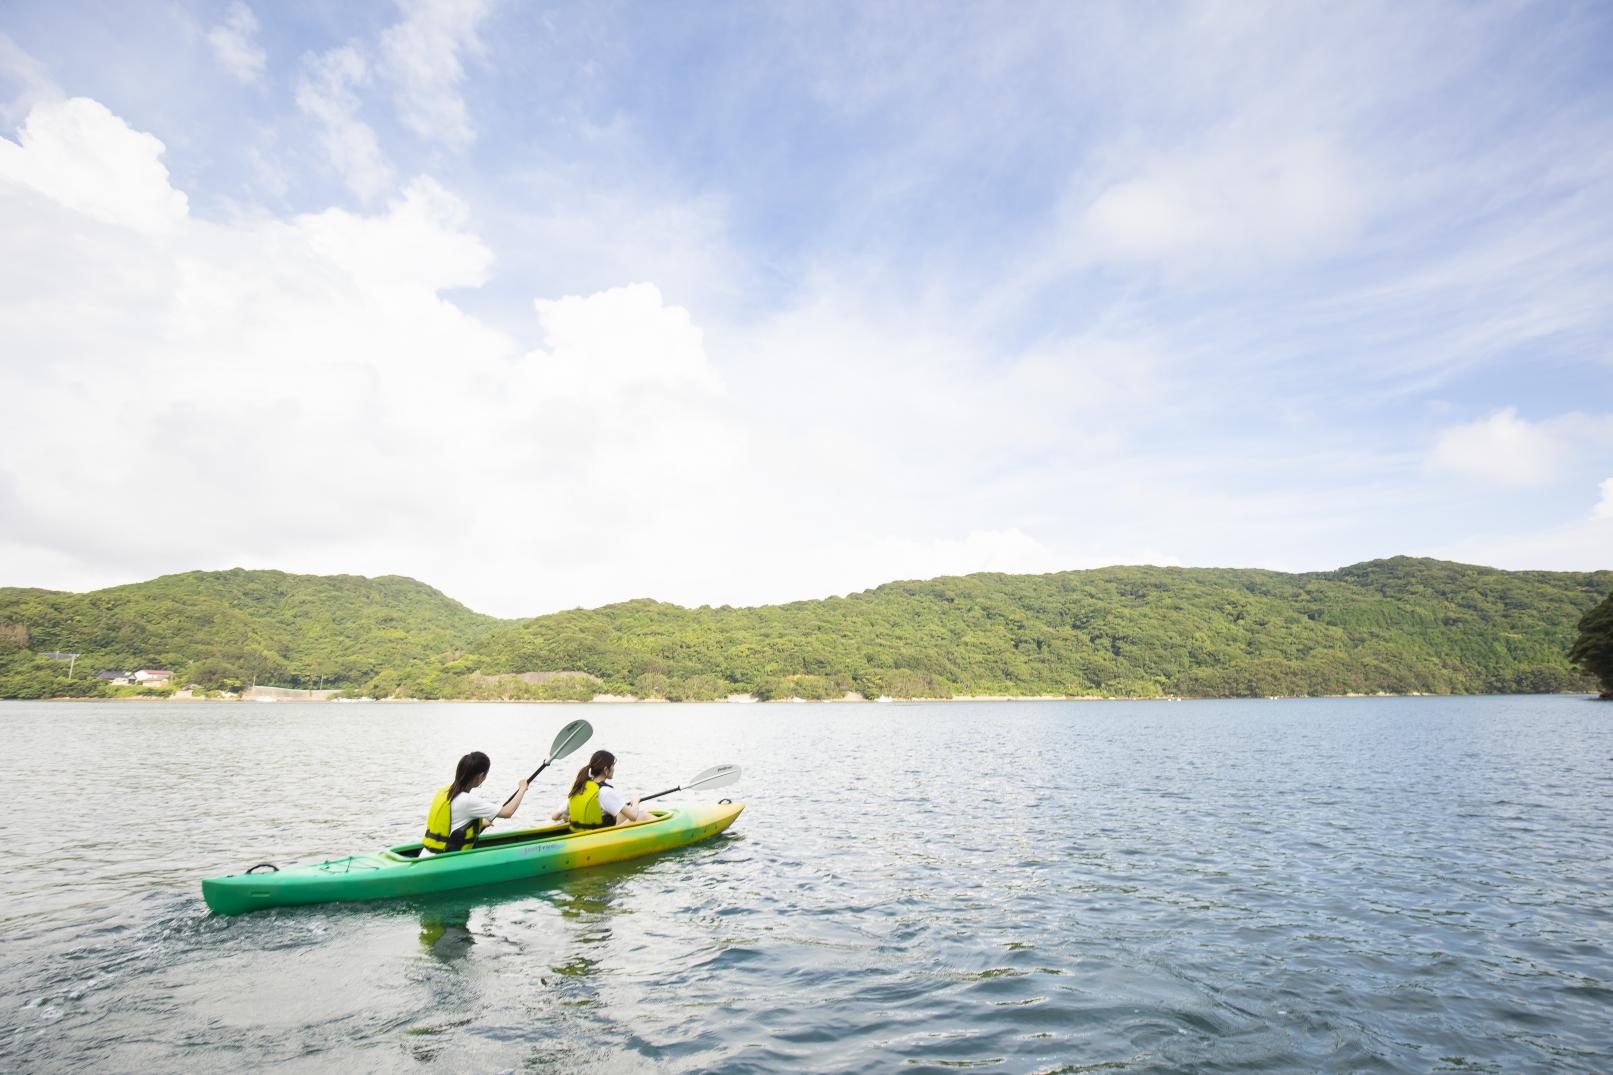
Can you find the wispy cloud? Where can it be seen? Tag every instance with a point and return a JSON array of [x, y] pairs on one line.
[[25, 79], [233, 42], [1236, 206], [422, 55], [327, 92]]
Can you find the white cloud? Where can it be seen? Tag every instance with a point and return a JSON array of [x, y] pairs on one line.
[[233, 43], [1604, 506], [1239, 202], [889, 557], [326, 92], [418, 248], [1583, 545], [422, 56], [1502, 448], [585, 232], [297, 393], [624, 338], [81, 156]]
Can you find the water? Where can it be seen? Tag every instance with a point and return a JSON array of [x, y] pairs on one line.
[[1360, 884]]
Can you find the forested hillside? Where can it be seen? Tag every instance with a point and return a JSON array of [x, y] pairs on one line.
[[228, 629], [1399, 625]]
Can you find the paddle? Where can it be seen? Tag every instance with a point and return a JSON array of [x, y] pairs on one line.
[[718, 776], [570, 738]]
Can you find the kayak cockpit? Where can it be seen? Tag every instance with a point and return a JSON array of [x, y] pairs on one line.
[[495, 841]]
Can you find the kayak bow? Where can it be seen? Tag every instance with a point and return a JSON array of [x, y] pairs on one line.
[[408, 871]]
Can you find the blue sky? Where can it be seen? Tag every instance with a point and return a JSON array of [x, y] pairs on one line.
[[553, 305]]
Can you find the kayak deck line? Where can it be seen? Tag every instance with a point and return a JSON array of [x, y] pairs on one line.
[[404, 870], [561, 831]]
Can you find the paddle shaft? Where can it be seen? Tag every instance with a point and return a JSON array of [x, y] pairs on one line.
[[657, 795], [529, 780]]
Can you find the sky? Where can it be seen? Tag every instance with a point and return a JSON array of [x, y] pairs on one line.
[[554, 305]]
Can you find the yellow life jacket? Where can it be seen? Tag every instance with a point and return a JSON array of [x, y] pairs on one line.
[[438, 836], [583, 809]]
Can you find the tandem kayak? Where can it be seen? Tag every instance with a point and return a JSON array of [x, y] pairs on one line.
[[409, 871]]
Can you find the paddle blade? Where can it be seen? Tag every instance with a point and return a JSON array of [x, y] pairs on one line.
[[570, 738], [718, 776]]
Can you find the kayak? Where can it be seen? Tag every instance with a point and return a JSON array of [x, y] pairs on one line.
[[409, 870]]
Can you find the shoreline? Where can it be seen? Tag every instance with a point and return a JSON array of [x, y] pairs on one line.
[[752, 700]]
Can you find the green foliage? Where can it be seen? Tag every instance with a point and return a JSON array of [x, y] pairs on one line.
[[1400, 626], [229, 629], [1593, 649]]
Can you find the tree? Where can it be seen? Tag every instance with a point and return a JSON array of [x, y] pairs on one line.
[[1593, 651]]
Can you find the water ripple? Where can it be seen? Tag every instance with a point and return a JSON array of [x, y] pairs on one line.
[[1368, 884]]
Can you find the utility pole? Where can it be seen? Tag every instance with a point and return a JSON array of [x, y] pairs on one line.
[[70, 658]]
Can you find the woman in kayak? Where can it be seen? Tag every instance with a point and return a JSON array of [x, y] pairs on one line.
[[459, 813], [593, 803]]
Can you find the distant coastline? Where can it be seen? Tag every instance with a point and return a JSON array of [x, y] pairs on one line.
[[619, 699], [1397, 627]]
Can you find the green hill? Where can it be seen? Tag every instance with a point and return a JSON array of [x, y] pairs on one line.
[[1400, 625], [231, 628]]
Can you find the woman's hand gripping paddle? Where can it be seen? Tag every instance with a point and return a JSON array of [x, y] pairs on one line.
[[570, 738], [718, 776]]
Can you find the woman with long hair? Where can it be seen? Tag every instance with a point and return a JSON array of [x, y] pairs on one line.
[[593, 803], [459, 813]]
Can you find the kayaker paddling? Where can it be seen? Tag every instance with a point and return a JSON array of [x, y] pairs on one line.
[[458, 813], [593, 802], [405, 871]]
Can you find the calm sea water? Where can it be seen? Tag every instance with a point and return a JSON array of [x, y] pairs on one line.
[[1361, 884]]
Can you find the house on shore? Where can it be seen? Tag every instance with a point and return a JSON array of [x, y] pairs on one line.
[[153, 677], [116, 679]]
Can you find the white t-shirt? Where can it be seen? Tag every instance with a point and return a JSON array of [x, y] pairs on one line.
[[610, 800], [468, 805]]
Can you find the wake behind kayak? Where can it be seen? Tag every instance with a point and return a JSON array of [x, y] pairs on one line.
[[407, 871]]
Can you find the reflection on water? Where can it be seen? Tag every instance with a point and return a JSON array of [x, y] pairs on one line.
[[445, 933], [583, 900], [1379, 884]]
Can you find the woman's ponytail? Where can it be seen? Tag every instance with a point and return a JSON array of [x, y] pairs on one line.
[[602, 760], [470, 767]]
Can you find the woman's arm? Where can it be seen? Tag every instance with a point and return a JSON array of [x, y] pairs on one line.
[[514, 804]]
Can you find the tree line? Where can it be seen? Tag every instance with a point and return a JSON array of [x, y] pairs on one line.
[[1400, 625]]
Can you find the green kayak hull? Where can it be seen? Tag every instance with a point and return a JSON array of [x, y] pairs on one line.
[[512, 856]]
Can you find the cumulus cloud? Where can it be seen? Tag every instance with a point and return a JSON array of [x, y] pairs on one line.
[[78, 154], [234, 45], [422, 57], [1604, 506], [327, 92], [620, 339], [297, 393], [1502, 448]]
